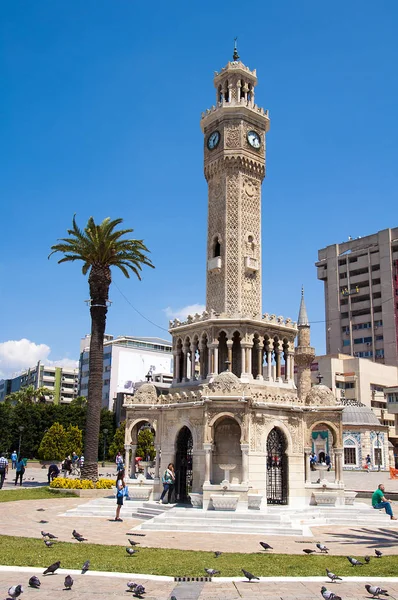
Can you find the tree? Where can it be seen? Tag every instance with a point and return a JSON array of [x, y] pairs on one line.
[[53, 446], [28, 395], [73, 440], [79, 402], [99, 247], [117, 444], [145, 446]]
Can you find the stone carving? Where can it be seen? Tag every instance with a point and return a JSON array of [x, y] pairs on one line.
[[320, 395], [232, 137], [146, 394], [225, 382]]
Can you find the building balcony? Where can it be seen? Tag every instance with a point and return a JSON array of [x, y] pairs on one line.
[[214, 264], [251, 264]]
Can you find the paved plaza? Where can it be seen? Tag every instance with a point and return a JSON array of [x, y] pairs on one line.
[[340, 540]]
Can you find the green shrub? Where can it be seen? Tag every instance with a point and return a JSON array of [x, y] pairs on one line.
[[53, 444]]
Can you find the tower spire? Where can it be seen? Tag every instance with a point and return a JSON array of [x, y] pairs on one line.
[[303, 317], [235, 56]]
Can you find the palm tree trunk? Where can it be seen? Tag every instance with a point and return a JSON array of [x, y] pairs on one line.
[[99, 288]]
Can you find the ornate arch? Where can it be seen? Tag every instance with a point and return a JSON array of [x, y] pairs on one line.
[[133, 424], [336, 435], [279, 425], [175, 429], [223, 415]]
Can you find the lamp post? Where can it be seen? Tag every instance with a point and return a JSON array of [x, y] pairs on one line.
[[104, 432], [21, 428], [379, 450]]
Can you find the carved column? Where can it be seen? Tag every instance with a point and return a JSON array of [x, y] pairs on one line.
[[291, 375], [260, 358], [307, 452], [157, 461], [338, 467], [208, 449], [245, 462], [229, 348], [202, 360], [133, 454], [287, 367], [177, 364], [185, 351], [126, 458], [249, 360], [193, 354], [278, 354], [215, 358], [269, 365], [243, 359]]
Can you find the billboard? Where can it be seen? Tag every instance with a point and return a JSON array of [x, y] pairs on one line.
[[133, 366]]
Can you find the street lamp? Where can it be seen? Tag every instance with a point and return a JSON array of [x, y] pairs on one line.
[[21, 428], [378, 451], [104, 431]]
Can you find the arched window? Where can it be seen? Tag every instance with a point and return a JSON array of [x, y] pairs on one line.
[[350, 452], [216, 248]]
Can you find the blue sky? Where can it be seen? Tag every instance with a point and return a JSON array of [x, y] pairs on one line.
[[100, 110]]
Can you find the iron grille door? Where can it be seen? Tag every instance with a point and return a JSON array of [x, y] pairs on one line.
[[184, 466], [276, 468]]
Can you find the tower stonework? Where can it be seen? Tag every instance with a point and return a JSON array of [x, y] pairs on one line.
[[234, 166]]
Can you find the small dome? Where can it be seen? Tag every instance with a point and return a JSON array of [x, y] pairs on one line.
[[146, 394], [320, 395], [359, 414], [226, 381]]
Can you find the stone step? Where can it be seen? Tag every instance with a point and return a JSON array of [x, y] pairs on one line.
[[224, 528], [194, 513]]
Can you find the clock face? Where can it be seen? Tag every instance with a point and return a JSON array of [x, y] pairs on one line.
[[254, 139], [213, 140]]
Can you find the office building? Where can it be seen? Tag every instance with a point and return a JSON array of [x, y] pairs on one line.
[[361, 296]]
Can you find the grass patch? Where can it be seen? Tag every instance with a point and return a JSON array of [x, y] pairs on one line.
[[33, 553], [38, 493]]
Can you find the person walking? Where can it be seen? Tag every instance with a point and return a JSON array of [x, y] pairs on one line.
[[20, 466], [3, 469], [168, 481], [380, 501], [120, 493], [119, 462], [368, 462], [14, 458]]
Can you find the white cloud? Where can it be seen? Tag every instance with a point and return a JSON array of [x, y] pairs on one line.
[[17, 355], [182, 313]]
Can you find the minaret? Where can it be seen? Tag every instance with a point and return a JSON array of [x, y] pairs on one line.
[[234, 166], [304, 353]]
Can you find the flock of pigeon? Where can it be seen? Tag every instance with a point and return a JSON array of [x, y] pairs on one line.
[[138, 590]]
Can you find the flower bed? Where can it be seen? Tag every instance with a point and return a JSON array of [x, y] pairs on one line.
[[81, 484]]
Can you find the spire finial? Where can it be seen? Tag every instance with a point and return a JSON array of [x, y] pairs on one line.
[[303, 318], [235, 56]]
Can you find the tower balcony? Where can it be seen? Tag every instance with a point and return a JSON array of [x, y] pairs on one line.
[[251, 264], [214, 264]]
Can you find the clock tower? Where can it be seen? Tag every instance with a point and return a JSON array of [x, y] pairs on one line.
[[234, 166]]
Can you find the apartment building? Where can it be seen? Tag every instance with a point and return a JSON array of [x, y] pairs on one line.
[[62, 382], [359, 380], [127, 362], [361, 296]]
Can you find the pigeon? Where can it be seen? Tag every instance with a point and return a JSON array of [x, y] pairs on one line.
[[15, 591], [133, 543], [40, 509], [132, 585], [48, 544], [76, 534], [308, 551], [378, 554], [34, 582], [68, 582], [332, 576], [43, 521], [367, 559], [81, 539], [212, 572], [216, 555], [249, 575], [329, 595], [354, 561], [85, 567], [51, 536], [266, 546], [322, 547], [52, 568], [131, 551], [375, 590], [139, 590]]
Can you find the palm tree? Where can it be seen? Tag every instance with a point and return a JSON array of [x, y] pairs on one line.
[[28, 395], [100, 247]]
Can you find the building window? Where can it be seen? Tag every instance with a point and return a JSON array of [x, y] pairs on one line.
[[346, 342], [343, 275], [350, 456], [375, 267]]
